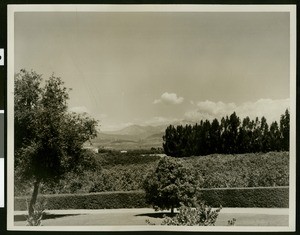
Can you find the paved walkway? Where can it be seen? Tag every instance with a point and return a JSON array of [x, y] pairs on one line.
[[138, 216]]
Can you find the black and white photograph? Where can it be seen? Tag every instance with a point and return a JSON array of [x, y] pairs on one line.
[[151, 117]]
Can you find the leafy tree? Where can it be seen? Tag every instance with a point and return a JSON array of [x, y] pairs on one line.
[[188, 145], [230, 136], [198, 139], [244, 136], [49, 139], [170, 184], [178, 141], [285, 130], [215, 135], [27, 95], [275, 137], [225, 135], [233, 125], [255, 142], [206, 140], [265, 135], [169, 144]]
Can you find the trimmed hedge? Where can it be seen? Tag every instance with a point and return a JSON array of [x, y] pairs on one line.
[[247, 197], [104, 200], [227, 197]]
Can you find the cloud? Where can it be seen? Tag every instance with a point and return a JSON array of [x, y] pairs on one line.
[[270, 109], [216, 109], [157, 121], [196, 115], [169, 98], [157, 101]]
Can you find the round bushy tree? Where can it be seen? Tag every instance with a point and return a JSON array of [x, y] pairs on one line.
[[171, 184]]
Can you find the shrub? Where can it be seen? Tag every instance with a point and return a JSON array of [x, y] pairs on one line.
[[35, 219], [202, 215], [231, 222]]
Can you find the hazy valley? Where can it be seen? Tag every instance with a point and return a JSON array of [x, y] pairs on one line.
[[131, 137]]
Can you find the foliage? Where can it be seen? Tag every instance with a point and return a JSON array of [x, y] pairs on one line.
[[149, 222], [170, 184], [49, 139], [229, 136], [115, 178], [231, 222], [217, 171], [119, 178], [112, 158], [202, 215], [75, 181], [285, 129], [243, 170], [35, 219]]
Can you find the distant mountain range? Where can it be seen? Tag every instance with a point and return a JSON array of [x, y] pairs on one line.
[[138, 131], [133, 137]]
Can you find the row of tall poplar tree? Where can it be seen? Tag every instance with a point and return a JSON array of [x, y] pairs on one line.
[[229, 136]]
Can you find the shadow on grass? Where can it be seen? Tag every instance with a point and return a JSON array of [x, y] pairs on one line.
[[45, 216], [157, 215]]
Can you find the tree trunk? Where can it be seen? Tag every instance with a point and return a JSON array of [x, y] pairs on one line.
[[33, 197], [172, 210]]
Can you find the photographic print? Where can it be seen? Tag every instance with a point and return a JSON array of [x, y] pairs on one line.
[[151, 117]]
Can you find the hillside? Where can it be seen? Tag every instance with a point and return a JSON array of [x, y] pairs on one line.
[[138, 131], [131, 137], [134, 137]]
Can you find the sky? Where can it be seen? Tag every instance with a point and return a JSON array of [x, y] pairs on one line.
[[157, 68]]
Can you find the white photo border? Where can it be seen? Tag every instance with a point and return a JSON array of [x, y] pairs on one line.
[[12, 9]]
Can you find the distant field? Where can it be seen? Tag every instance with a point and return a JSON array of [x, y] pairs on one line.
[[128, 142], [132, 137]]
